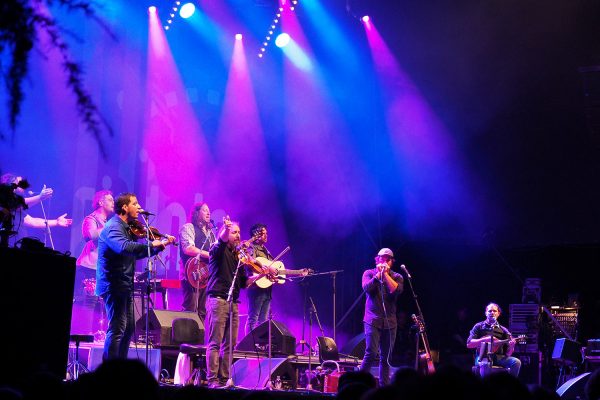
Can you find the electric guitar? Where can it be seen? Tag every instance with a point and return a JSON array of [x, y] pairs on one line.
[[426, 366], [266, 280], [196, 272]]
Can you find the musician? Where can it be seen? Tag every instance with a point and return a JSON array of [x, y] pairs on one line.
[[259, 299], [104, 206], [117, 252], [382, 287], [222, 265], [18, 185], [195, 238], [489, 330]]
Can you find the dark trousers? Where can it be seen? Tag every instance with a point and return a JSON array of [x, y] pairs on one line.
[[193, 299], [379, 346], [121, 323]]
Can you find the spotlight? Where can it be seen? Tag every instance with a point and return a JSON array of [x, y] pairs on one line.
[[152, 9], [365, 18], [187, 10], [238, 36], [282, 40]]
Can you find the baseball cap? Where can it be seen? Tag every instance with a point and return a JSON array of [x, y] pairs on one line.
[[386, 252]]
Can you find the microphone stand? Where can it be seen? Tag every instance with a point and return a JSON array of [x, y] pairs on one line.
[[269, 382], [309, 377], [148, 277], [230, 382], [333, 275], [48, 232], [415, 297], [314, 309]]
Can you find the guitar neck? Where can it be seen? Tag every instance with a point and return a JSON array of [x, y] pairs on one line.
[[291, 271]]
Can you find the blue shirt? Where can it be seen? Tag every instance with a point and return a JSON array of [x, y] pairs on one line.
[[117, 252]]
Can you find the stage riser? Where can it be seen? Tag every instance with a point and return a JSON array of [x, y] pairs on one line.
[[91, 357]]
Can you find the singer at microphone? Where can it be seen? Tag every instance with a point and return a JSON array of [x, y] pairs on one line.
[[382, 286]]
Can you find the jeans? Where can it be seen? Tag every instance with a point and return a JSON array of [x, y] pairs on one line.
[[513, 364], [193, 299], [119, 311], [379, 345], [259, 303], [218, 344]]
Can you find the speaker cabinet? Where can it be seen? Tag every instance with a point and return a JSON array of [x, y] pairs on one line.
[[254, 374], [567, 351], [282, 340], [37, 297], [574, 388], [327, 349], [355, 347], [171, 328]]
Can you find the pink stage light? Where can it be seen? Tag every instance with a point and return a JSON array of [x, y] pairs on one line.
[[152, 9], [365, 18], [238, 36]]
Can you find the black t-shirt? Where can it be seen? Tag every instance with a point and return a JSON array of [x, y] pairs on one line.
[[499, 332], [222, 263]]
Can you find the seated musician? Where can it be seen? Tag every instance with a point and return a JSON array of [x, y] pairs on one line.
[[494, 342]]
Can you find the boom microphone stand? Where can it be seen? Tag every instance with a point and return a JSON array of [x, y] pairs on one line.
[[148, 278], [48, 232], [230, 382], [415, 297]]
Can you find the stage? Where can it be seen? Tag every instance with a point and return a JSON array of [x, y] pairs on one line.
[[250, 370]]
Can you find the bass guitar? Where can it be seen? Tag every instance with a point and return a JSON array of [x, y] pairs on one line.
[[196, 272], [426, 366], [266, 280]]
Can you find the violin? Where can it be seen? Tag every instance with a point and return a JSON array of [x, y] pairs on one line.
[[140, 231], [250, 261]]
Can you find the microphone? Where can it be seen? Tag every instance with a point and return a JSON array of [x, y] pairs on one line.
[[146, 213], [403, 267]]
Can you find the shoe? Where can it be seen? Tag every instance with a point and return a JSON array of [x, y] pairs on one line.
[[215, 385]]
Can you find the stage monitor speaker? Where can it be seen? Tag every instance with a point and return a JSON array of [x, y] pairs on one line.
[[171, 328], [327, 349], [567, 351], [355, 347], [254, 374], [282, 340], [574, 388]]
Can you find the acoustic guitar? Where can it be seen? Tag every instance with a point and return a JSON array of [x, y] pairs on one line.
[[485, 348], [426, 366], [196, 272], [266, 280]]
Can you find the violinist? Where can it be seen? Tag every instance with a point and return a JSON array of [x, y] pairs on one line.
[[118, 251], [222, 264]]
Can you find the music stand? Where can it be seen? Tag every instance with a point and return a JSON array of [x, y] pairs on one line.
[[75, 367]]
